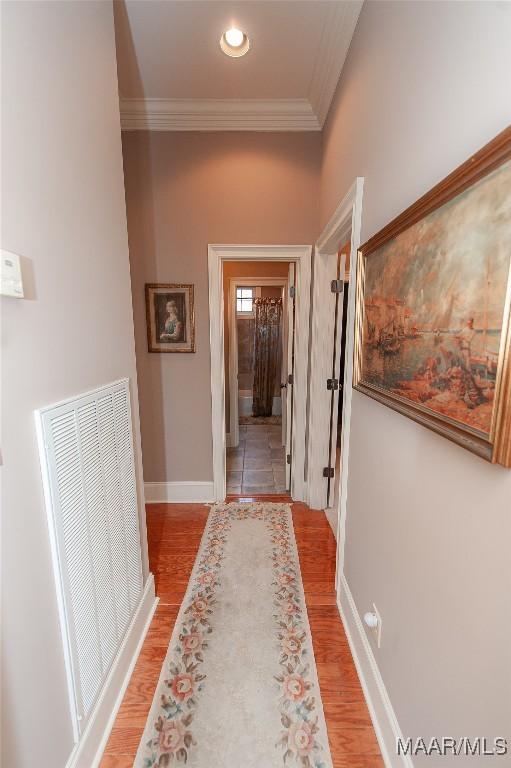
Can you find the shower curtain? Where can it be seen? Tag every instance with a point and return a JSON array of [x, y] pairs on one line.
[[267, 347]]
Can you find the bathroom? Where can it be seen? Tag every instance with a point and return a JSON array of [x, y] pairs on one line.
[[246, 326], [256, 313]]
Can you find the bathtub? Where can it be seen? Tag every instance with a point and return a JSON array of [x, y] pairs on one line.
[[245, 403]]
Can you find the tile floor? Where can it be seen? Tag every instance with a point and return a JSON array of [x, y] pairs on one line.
[[258, 465]]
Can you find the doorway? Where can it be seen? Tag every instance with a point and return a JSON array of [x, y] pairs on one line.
[[295, 311], [258, 334], [241, 293]]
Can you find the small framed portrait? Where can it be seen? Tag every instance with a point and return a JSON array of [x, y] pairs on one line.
[[170, 317]]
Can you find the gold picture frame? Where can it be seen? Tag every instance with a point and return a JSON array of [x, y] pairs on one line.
[[432, 317], [170, 317]]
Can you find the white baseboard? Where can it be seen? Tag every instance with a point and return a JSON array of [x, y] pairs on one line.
[[88, 752], [331, 516], [186, 492], [380, 708]]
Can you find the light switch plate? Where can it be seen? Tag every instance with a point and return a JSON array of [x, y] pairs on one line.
[[11, 283]]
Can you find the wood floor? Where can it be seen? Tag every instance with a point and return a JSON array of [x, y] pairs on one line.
[[174, 533]]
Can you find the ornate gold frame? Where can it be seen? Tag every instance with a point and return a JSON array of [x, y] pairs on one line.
[[149, 287], [496, 448]]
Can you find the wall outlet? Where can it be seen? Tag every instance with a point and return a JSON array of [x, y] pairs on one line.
[[372, 620]]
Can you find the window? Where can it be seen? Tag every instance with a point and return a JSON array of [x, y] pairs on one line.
[[244, 301]]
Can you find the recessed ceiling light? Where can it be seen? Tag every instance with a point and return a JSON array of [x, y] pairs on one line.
[[234, 37], [234, 42]]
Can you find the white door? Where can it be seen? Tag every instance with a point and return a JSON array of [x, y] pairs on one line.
[[283, 371], [287, 401], [334, 384], [325, 363]]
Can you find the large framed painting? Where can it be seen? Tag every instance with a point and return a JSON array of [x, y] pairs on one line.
[[170, 317], [433, 330]]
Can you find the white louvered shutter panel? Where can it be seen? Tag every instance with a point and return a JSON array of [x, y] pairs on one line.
[[87, 458]]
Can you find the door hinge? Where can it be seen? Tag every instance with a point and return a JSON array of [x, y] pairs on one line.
[[337, 286], [332, 384], [292, 292], [288, 458], [328, 471], [290, 379]]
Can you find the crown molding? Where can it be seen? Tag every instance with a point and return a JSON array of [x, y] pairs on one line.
[[257, 114], [217, 115], [340, 23]]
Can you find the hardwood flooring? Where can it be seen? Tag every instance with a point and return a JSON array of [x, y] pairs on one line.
[[174, 533]]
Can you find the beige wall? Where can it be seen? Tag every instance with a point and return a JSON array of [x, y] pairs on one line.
[[271, 291], [231, 270], [63, 210], [429, 524], [183, 191]]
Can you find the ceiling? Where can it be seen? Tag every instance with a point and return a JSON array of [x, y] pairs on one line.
[[173, 75]]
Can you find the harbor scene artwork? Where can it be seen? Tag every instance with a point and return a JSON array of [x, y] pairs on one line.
[[434, 306]]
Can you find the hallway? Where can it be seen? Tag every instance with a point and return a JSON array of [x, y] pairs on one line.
[[174, 534], [225, 177]]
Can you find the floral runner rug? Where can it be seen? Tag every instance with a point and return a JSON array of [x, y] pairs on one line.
[[239, 687]]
